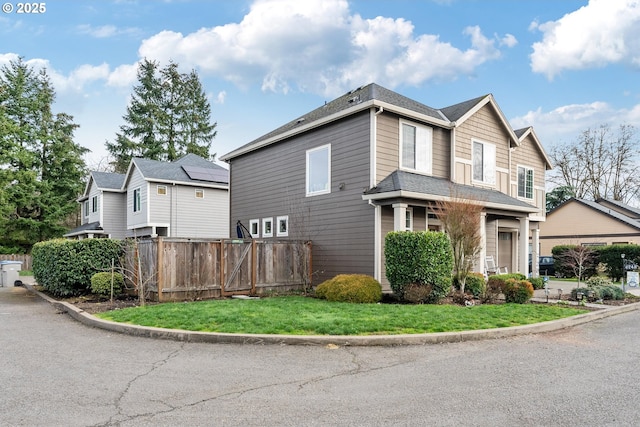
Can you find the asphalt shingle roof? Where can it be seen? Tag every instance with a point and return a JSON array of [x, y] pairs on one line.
[[429, 185], [106, 180], [366, 93], [174, 171]]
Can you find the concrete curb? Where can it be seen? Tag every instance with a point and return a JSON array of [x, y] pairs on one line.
[[340, 340]]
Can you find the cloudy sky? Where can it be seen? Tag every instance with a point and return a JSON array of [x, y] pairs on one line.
[[561, 66]]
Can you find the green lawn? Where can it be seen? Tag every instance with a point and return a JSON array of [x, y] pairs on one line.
[[295, 315]]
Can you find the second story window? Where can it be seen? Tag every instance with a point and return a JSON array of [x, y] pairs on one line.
[[86, 208], [319, 170], [525, 182], [484, 162], [136, 200], [415, 147], [94, 204]]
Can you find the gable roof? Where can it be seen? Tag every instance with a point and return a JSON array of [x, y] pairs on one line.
[[105, 181], [413, 185], [108, 181], [611, 213], [632, 212], [524, 133], [178, 171], [373, 95]]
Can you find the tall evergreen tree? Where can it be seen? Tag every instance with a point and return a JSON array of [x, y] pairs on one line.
[[168, 117], [41, 168]]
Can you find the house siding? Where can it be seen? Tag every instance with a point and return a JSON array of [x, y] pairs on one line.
[[486, 126], [528, 155], [206, 217], [340, 224], [114, 221], [388, 147], [576, 224], [93, 216], [137, 219]]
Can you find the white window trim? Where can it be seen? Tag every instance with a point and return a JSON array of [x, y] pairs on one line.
[[199, 191], [266, 221], [421, 131], [95, 206], [139, 202], [282, 233], [256, 223], [533, 178], [487, 178], [409, 216], [158, 187], [328, 189], [86, 208]]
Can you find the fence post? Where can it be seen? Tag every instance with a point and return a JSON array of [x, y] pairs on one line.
[[254, 266], [160, 266], [222, 265]]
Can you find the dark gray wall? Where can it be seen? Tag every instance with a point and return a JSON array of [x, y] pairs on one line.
[[270, 182]]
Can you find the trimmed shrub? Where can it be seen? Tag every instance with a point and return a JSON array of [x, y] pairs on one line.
[[419, 258], [536, 282], [355, 288], [64, 267], [517, 291], [475, 285], [493, 289], [611, 258], [101, 283]]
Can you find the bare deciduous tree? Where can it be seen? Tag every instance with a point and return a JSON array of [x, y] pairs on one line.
[[601, 163], [460, 219], [577, 259]]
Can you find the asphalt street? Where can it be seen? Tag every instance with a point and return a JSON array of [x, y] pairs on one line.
[[55, 371]]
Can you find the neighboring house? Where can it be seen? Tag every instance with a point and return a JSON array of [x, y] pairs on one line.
[[374, 161], [185, 198], [585, 222], [102, 208]]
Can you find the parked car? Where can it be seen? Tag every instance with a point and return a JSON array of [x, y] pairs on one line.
[[546, 266]]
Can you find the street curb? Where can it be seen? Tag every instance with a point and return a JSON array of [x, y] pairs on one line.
[[340, 340]]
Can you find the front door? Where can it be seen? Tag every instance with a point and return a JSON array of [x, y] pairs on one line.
[[504, 250]]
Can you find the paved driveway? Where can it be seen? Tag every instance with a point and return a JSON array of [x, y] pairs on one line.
[[55, 371]]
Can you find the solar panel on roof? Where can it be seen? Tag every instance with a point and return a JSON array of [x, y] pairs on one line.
[[205, 174]]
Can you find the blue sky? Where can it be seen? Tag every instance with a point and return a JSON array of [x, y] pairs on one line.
[[560, 66]]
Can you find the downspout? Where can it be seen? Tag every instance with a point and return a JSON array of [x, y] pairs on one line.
[[452, 172], [377, 222]]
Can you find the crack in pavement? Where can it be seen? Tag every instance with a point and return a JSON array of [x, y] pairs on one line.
[[357, 369], [118, 401]]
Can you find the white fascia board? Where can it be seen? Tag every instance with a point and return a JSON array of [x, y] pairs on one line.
[[188, 184]]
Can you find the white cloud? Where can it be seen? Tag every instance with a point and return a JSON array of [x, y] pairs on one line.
[[600, 33], [318, 46], [565, 123], [105, 31]]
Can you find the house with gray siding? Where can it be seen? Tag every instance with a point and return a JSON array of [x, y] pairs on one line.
[[101, 207], [374, 161], [186, 198]]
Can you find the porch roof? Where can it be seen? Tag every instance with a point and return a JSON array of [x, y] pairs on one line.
[[423, 187], [89, 228]]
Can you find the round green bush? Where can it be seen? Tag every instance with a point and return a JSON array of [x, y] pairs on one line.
[[101, 283], [474, 285], [356, 288], [517, 291]]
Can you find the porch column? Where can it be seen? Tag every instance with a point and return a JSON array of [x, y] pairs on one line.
[[481, 267], [523, 246], [400, 216], [535, 243]]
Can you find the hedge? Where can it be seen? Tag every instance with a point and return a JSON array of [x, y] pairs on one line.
[[64, 267], [421, 258]]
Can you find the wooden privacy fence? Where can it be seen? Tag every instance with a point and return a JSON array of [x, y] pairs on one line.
[[174, 269], [24, 259]]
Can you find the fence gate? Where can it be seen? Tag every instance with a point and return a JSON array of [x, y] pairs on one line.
[[238, 272]]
